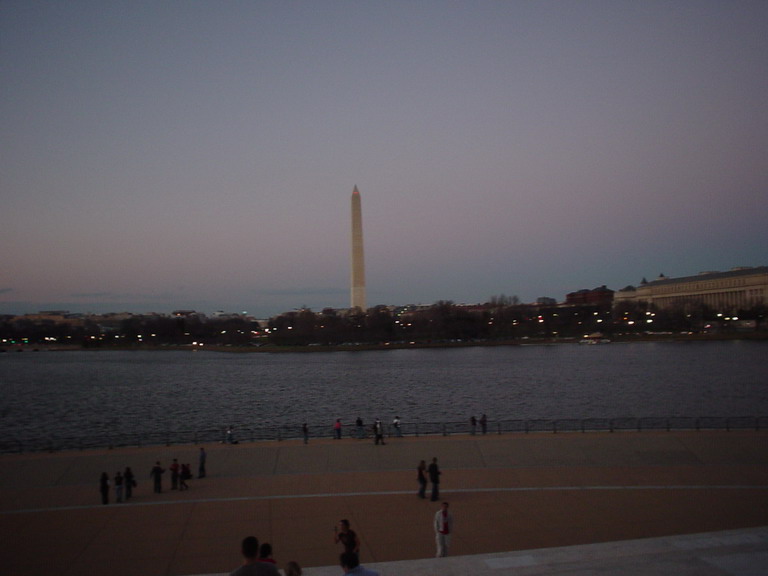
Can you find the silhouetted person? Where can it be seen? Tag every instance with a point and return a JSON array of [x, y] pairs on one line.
[[350, 563], [434, 478], [421, 476], [118, 487], [130, 482], [251, 565], [347, 537], [104, 488], [201, 463], [157, 477], [292, 569]]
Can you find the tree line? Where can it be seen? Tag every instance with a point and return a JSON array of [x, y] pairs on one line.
[[499, 319]]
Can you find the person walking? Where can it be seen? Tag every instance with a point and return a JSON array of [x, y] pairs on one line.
[[157, 476], [421, 472], [434, 478], [443, 525], [201, 463], [130, 482], [347, 537], [104, 488]]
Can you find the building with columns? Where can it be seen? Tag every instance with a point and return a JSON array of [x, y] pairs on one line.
[[738, 289]]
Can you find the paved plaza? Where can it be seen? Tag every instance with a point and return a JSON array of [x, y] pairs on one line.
[[596, 503]]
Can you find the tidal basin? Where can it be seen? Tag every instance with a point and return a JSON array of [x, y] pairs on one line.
[[84, 397]]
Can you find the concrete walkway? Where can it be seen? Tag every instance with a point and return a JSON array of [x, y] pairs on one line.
[[574, 503]]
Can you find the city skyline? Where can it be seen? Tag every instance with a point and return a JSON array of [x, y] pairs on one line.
[[157, 157]]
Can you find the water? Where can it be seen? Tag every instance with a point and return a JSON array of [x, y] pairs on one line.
[[90, 394]]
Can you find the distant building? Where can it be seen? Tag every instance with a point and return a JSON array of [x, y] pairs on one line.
[[741, 288], [601, 297]]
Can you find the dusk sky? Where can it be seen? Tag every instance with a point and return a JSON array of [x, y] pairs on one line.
[[157, 155]]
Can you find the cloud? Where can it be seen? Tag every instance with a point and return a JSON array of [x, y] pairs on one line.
[[95, 295], [304, 292]]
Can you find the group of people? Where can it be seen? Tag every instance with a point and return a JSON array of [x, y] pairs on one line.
[[429, 473], [473, 422], [377, 430], [258, 560], [125, 482], [443, 520]]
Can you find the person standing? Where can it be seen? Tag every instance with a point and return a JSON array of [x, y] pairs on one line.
[[396, 425], [174, 468], [201, 463], [472, 425], [157, 476], [130, 482], [118, 487], [104, 488], [305, 432], [337, 429], [348, 537], [483, 424], [421, 472], [434, 478], [378, 432], [443, 525], [359, 428]]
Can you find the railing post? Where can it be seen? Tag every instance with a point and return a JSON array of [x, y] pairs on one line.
[[445, 431]]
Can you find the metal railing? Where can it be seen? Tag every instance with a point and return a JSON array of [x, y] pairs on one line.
[[279, 433]]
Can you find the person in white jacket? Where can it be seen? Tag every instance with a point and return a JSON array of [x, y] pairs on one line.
[[443, 525]]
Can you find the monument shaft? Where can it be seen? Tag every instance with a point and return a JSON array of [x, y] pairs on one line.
[[357, 294]]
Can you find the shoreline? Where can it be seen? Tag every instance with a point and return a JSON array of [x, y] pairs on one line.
[[367, 347]]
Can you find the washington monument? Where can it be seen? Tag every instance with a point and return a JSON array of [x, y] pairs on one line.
[[357, 292]]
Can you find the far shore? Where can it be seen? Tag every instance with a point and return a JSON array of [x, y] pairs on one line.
[[271, 348]]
